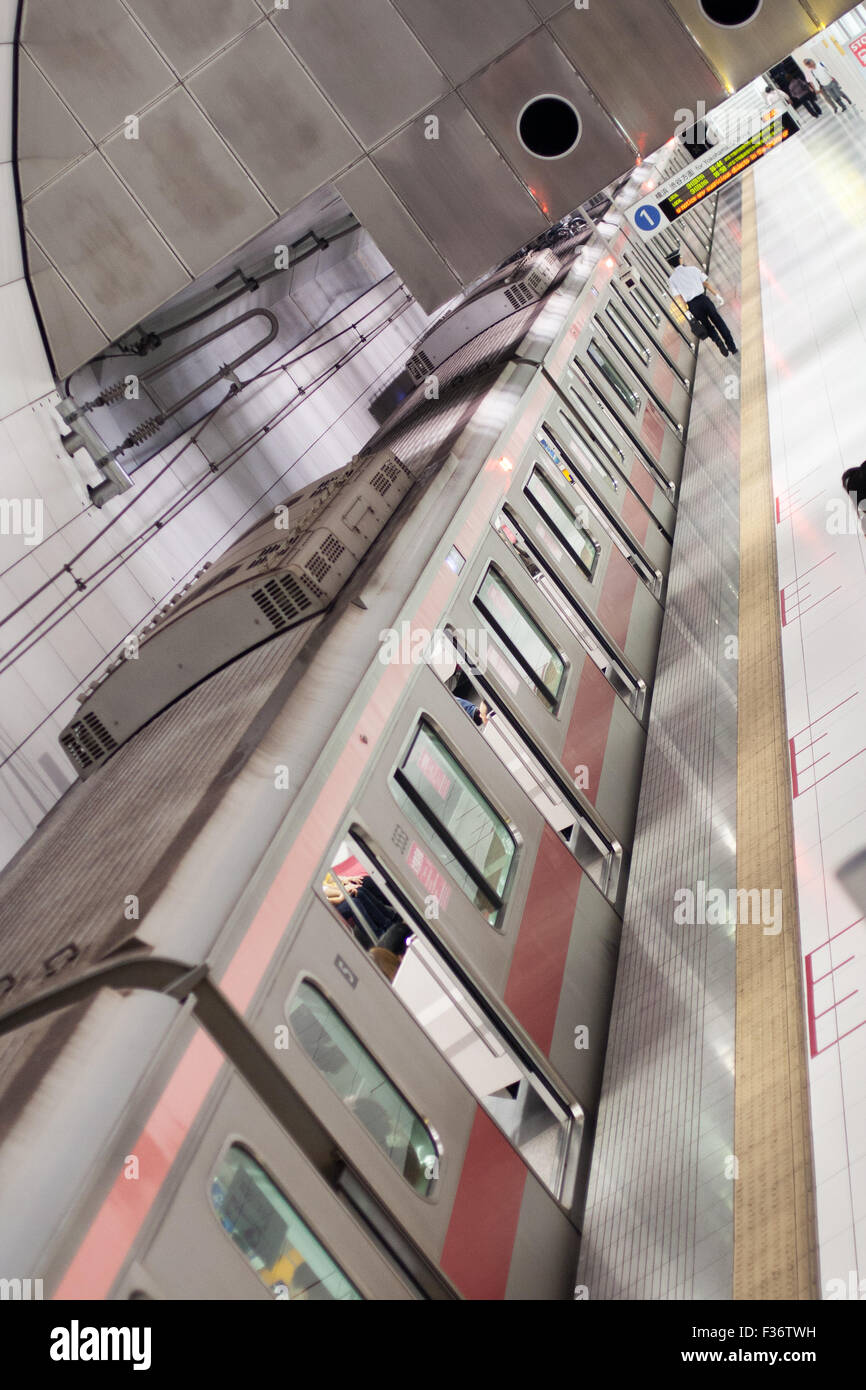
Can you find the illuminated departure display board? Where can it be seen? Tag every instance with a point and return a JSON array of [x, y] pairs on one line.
[[727, 167]]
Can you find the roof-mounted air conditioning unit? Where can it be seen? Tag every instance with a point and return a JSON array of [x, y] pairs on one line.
[[285, 572]]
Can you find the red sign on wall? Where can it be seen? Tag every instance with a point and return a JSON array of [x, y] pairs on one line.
[[858, 48]]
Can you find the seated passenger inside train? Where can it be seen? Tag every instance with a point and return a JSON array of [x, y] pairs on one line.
[[468, 698], [374, 923], [467, 695]]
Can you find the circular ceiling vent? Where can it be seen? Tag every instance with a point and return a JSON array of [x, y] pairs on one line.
[[730, 14], [549, 127]]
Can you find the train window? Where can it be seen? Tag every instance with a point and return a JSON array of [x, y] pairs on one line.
[[592, 638], [446, 662], [520, 633], [630, 337], [595, 850], [352, 1074], [453, 1012], [581, 546], [629, 398], [469, 837], [270, 1234]]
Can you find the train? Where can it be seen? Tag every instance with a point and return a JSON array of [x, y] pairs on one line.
[[324, 1010], [523, 279]]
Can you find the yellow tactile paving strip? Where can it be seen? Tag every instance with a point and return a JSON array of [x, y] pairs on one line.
[[774, 1220]]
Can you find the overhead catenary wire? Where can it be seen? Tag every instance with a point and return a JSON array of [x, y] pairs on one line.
[[175, 509], [217, 469], [35, 632], [248, 284], [156, 606], [135, 543], [270, 367]]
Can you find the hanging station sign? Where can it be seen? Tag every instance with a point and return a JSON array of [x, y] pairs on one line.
[[727, 166], [709, 173]]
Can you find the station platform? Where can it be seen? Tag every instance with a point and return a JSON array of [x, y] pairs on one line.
[[731, 1153]]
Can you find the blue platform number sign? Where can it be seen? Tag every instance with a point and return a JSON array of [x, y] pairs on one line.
[[647, 217]]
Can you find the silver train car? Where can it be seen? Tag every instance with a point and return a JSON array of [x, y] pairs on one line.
[[521, 282], [321, 1007], [524, 283]]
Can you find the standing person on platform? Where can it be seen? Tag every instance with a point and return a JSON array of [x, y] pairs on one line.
[[778, 100], [691, 290], [821, 76], [804, 94], [854, 483]]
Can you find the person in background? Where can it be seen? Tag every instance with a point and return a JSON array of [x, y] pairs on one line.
[[821, 77], [468, 698], [854, 483], [478, 712], [380, 924], [778, 101], [691, 290], [804, 94]]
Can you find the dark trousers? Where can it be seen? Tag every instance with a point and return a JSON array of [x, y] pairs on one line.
[[812, 104], [704, 310]]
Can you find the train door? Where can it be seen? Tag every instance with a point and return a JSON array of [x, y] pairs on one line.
[[626, 396], [610, 466], [500, 899], [520, 1132], [654, 313], [638, 349], [558, 705], [654, 306], [553, 519], [475, 1152]]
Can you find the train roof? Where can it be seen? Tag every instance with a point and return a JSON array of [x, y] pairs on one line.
[[123, 832]]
